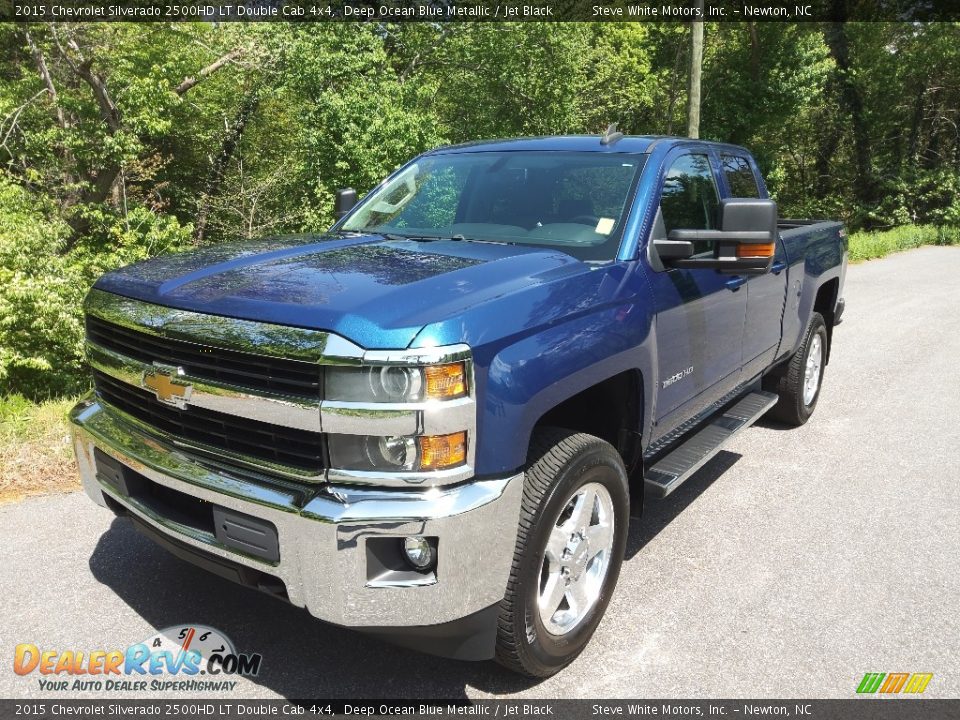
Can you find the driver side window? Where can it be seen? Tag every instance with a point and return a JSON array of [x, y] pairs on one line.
[[689, 200]]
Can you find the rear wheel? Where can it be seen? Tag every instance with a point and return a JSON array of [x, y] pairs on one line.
[[570, 545], [798, 381]]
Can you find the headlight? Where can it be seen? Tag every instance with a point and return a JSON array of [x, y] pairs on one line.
[[396, 383], [398, 453]]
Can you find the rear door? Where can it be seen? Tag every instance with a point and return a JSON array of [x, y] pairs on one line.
[[765, 293], [700, 313]]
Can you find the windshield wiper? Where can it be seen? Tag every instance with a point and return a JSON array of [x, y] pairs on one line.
[[433, 238], [426, 238]]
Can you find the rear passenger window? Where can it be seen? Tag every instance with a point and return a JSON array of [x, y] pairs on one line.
[[739, 176], [689, 200]]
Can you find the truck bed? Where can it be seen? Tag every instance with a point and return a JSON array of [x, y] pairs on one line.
[[784, 224]]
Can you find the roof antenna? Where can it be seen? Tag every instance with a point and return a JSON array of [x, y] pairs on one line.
[[611, 135]]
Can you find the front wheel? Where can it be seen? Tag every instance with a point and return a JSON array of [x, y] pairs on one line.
[[570, 545]]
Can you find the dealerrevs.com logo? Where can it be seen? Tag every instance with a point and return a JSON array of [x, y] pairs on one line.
[[184, 658]]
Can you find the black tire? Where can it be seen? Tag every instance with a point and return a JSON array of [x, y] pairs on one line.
[[559, 463], [788, 380]]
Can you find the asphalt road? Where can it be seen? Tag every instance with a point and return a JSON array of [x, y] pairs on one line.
[[789, 566]]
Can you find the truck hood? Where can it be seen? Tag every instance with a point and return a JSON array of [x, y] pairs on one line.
[[379, 293]]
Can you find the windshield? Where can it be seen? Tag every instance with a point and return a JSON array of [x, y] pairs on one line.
[[576, 201]]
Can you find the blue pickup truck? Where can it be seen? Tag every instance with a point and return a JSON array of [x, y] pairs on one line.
[[433, 422]]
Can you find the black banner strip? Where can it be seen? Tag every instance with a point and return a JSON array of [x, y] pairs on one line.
[[478, 11], [873, 707]]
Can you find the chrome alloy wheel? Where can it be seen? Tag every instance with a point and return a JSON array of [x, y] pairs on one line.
[[811, 374], [576, 559]]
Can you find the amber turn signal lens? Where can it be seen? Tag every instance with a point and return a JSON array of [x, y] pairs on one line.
[[752, 250], [442, 451], [446, 381]]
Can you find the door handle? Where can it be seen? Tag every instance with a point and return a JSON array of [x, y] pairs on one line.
[[734, 283], [778, 267]]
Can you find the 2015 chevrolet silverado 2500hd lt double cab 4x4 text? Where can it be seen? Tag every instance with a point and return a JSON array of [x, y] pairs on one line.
[[431, 423]]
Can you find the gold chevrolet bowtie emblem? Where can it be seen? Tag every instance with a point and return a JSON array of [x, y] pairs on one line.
[[164, 382]]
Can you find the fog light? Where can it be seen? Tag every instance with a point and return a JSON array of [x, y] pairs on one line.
[[419, 552]]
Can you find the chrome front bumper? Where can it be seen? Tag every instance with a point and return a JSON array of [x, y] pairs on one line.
[[322, 536]]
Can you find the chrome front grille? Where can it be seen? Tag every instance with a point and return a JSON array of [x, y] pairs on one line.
[[214, 432], [257, 372], [244, 393]]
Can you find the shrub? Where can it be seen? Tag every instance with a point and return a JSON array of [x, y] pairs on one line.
[[40, 336], [867, 245], [43, 280]]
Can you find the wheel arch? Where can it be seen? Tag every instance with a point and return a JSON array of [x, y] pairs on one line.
[[825, 303], [611, 410], [550, 373], [610, 399]]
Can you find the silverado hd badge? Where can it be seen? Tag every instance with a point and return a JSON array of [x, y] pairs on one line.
[[163, 381], [679, 376]]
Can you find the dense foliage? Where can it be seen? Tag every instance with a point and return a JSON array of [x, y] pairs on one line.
[[120, 141]]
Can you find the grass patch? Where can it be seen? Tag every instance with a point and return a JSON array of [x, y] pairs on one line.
[[36, 456], [867, 245]]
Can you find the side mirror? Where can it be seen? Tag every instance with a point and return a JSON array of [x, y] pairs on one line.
[[744, 244], [344, 201]]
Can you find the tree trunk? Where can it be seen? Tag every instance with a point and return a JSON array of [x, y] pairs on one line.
[[754, 52], [47, 81], [218, 171], [839, 45], [916, 124], [696, 64], [824, 163], [674, 92]]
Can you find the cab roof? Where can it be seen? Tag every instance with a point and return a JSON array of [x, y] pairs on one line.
[[578, 143], [572, 143]]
